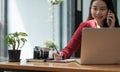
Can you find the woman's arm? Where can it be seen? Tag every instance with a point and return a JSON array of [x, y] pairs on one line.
[[74, 42]]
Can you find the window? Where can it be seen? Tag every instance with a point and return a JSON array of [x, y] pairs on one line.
[[3, 27]]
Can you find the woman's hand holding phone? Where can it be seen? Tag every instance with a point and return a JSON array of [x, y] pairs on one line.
[[110, 19]]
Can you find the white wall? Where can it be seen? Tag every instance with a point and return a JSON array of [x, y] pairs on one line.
[[33, 17]]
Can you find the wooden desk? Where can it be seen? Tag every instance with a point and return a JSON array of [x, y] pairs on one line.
[[57, 67]]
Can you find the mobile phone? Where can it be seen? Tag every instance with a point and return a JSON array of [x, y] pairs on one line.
[[108, 20]]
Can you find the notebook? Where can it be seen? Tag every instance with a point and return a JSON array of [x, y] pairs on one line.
[[100, 46], [50, 60]]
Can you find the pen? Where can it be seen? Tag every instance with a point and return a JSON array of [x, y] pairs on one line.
[[57, 50]]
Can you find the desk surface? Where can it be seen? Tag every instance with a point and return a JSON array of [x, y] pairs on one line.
[[59, 67]]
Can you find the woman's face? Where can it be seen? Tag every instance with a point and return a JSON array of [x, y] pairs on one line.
[[99, 10]]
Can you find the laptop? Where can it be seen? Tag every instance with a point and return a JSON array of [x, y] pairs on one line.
[[100, 46]]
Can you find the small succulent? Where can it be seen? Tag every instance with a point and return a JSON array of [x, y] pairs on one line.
[[50, 44]]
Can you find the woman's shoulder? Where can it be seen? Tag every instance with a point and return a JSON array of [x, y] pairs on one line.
[[89, 23]]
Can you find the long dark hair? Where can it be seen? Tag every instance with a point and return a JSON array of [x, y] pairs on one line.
[[110, 6]]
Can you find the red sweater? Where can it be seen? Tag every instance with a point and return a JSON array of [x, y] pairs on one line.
[[75, 41]]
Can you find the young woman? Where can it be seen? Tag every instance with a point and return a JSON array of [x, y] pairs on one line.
[[101, 14]]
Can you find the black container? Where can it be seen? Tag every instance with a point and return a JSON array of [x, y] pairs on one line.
[[46, 55], [36, 53], [14, 55], [40, 53]]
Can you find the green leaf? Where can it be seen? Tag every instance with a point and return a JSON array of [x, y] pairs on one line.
[[15, 40]]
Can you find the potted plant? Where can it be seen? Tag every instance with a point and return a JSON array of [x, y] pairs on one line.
[[15, 41], [50, 44]]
